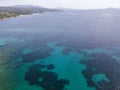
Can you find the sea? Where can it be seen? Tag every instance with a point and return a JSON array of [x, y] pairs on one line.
[[63, 50]]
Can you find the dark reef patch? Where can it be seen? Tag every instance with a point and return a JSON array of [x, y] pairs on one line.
[[50, 66], [67, 51], [16, 65], [45, 79], [38, 54], [103, 64]]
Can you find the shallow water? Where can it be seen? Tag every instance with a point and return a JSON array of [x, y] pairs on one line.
[[60, 51]]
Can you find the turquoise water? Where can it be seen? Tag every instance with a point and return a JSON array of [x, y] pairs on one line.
[[59, 51], [66, 66], [4, 41], [98, 77]]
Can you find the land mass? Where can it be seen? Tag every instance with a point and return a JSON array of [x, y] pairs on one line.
[[14, 11]]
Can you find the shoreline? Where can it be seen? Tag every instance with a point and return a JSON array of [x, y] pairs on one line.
[[5, 15]]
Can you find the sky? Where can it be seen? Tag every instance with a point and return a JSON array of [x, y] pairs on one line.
[[75, 4]]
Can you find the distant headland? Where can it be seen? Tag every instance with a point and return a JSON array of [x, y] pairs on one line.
[[14, 11]]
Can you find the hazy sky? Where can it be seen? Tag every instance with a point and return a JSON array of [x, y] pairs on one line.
[[79, 4]]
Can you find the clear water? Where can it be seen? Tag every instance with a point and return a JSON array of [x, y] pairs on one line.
[[63, 50]]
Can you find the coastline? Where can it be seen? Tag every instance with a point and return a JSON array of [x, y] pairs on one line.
[[5, 15]]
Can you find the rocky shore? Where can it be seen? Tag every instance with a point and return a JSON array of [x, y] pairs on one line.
[[4, 15]]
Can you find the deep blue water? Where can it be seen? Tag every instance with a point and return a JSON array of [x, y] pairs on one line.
[[65, 50]]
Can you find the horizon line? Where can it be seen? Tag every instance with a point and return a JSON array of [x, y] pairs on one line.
[[62, 7]]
